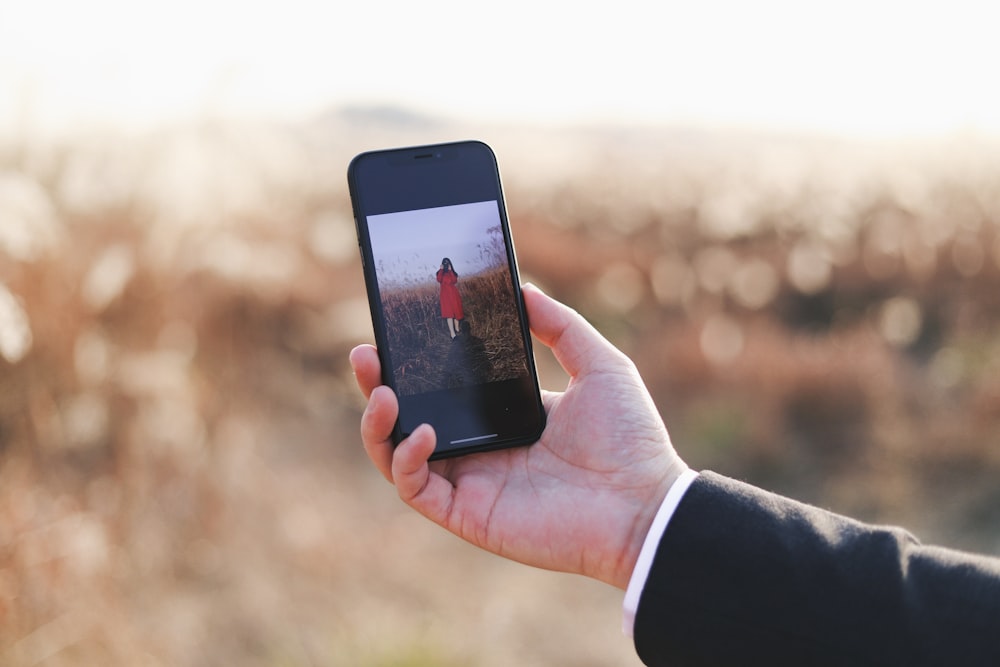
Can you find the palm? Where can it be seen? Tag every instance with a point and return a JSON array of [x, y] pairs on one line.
[[575, 494]]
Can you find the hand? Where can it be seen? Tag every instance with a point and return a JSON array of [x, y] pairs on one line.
[[579, 500]]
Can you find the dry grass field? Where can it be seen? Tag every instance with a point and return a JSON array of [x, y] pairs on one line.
[[181, 479], [421, 345]]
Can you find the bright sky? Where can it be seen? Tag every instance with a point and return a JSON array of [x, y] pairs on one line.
[[856, 66], [411, 244]]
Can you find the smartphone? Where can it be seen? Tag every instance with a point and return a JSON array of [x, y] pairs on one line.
[[446, 304]]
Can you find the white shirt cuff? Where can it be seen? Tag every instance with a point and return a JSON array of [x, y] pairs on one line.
[[641, 571]]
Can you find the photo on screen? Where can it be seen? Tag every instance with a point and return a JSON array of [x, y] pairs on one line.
[[447, 297]]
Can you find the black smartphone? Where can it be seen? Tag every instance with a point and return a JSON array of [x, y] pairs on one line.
[[446, 304]]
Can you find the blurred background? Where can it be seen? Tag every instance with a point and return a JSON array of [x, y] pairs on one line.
[[786, 213]]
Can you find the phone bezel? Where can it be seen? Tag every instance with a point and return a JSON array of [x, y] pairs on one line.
[[393, 194]]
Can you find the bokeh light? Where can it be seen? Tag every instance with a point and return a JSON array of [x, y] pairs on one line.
[[787, 215]]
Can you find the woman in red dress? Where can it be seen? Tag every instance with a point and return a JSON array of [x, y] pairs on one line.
[[451, 302]]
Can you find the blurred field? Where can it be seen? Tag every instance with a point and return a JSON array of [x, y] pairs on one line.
[[181, 480]]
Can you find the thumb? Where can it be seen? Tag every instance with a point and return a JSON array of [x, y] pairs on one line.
[[577, 345]]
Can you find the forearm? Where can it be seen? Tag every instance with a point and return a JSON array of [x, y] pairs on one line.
[[777, 582]]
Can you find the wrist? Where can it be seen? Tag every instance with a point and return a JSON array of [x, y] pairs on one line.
[[639, 530]]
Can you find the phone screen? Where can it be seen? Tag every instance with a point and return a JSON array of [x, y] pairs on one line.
[[446, 304]]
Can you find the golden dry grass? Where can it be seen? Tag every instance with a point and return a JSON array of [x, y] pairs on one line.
[[421, 343], [181, 481]]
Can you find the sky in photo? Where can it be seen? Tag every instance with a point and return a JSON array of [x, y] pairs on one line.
[[409, 245]]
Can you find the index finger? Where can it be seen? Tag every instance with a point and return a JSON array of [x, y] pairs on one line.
[[367, 369]]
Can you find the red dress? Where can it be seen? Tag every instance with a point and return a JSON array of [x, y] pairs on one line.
[[451, 302]]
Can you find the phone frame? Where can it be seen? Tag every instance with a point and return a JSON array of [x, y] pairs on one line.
[[374, 191]]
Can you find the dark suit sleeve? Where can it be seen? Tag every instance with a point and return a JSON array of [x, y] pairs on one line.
[[745, 577]]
